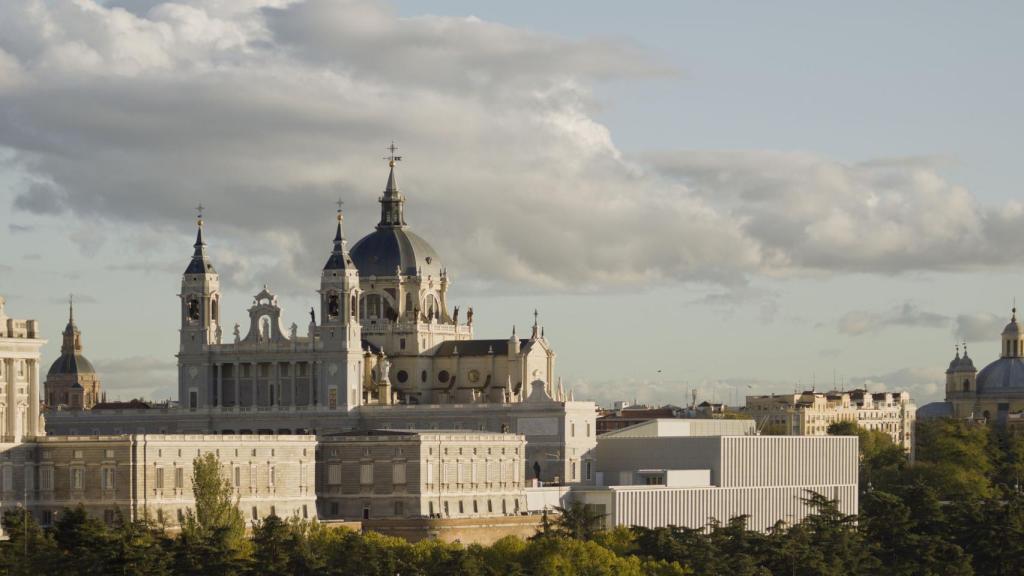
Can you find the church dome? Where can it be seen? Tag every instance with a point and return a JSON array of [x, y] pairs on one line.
[[1002, 376], [386, 250], [392, 247], [71, 364]]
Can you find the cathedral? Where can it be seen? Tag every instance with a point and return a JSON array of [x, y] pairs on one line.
[[383, 334], [384, 348], [996, 393]]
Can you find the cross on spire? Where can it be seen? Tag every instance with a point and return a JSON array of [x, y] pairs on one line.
[[340, 203], [199, 213], [391, 158]]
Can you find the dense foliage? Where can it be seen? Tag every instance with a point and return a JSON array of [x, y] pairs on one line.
[[957, 510]]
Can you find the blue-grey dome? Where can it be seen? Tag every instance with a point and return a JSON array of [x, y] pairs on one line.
[[388, 249], [71, 364], [1003, 375]]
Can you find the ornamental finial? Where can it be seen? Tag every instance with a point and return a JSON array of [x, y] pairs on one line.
[[391, 158]]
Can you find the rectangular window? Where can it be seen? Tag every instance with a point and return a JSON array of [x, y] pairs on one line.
[[270, 476], [179, 478], [399, 508], [108, 453], [366, 474], [76, 478], [46, 478], [305, 511], [398, 473], [572, 428], [334, 474], [430, 472], [107, 477], [238, 476], [588, 429], [159, 478], [587, 468], [108, 516], [255, 514], [332, 398]]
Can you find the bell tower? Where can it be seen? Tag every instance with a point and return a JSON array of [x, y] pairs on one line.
[[340, 332], [200, 324]]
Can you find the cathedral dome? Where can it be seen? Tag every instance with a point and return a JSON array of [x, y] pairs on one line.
[[71, 364], [386, 250], [1002, 376], [392, 248]]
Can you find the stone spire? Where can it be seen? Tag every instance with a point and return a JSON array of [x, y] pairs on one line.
[[200, 263], [340, 259], [392, 203], [72, 343]]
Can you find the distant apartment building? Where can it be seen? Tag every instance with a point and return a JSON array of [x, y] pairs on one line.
[[811, 413], [397, 474], [658, 474]]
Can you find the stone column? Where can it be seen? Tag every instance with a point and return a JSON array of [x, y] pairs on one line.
[[234, 368], [276, 383], [291, 372], [33, 398], [220, 384], [10, 415]]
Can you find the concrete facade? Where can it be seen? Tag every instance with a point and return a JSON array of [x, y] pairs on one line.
[[687, 481]]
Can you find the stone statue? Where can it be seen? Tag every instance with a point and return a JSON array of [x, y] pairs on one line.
[[219, 333], [385, 369], [469, 316], [312, 315], [238, 336], [266, 329], [295, 330], [455, 316]]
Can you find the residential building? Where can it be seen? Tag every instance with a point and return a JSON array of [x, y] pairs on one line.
[[810, 413]]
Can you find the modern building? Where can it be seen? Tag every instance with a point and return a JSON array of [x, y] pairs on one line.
[[810, 413], [996, 393], [72, 382], [399, 474], [382, 349], [659, 475]]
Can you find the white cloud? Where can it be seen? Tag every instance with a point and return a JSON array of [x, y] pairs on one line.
[[268, 110], [908, 314], [980, 327]]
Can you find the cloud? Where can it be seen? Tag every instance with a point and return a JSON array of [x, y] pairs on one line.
[[19, 228], [728, 301], [924, 384], [908, 314], [979, 327], [267, 110], [138, 377]]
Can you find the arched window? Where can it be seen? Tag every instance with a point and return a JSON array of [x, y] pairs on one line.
[[215, 310], [353, 306], [193, 309], [371, 306], [332, 306]]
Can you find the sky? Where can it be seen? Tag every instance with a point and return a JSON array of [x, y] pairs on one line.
[[734, 198]]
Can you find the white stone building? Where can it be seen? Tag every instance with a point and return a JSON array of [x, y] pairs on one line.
[[20, 342], [382, 349], [421, 474], [811, 413]]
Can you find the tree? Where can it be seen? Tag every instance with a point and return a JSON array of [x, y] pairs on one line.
[[578, 521], [28, 549], [273, 541], [84, 543], [212, 539]]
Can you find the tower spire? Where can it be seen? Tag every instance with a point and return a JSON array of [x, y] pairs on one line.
[[339, 259], [392, 203], [71, 308], [200, 264]]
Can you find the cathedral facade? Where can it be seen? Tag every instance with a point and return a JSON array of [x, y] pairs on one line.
[[383, 349], [995, 393]]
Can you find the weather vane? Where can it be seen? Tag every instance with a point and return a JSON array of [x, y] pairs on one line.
[[340, 203], [199, 212], [391, 158]]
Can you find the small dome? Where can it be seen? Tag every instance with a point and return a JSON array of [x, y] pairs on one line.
[[1002, 376], [386, 250], [71, 364], [966, 364], [1013, 327]]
